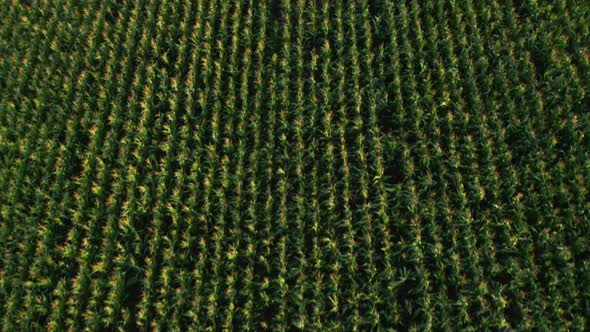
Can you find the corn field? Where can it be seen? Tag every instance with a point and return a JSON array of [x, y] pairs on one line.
[[348, 165]]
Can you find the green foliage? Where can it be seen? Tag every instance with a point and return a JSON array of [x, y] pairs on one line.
[[294, 165]]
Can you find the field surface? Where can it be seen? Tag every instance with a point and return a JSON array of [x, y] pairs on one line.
[[291, 165]]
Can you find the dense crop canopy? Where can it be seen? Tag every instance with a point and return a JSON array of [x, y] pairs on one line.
[[285, 165]]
